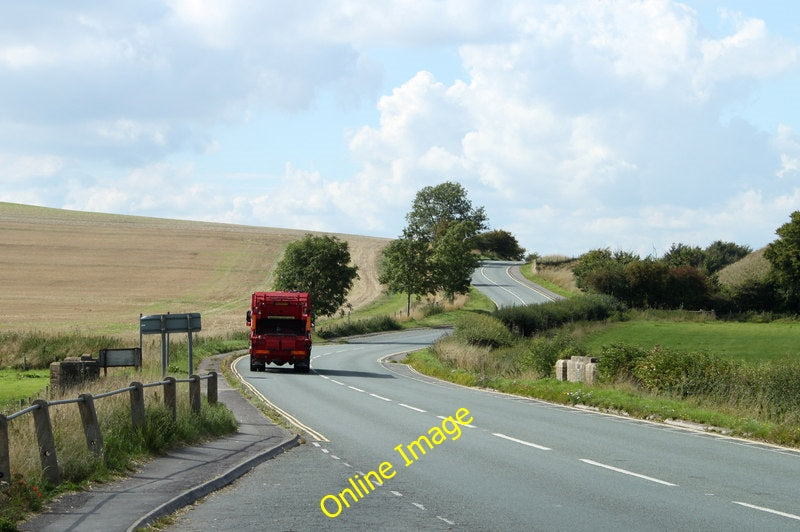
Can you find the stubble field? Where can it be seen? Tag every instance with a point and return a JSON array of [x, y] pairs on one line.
[[95, 273]]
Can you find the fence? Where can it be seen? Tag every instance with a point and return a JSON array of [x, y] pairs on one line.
[[91, 427]]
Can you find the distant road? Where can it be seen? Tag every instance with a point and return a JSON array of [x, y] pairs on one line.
[[505, 285]]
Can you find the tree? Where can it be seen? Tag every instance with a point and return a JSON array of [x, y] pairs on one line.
[[437, 241], [452, 261], [596, 260], [405, 268], [683, 255], [499, 244], [784, 256], [320, 266], [720, 254], [435, 208], [647, 281]]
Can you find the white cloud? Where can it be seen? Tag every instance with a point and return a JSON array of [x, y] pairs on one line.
[[577, 125], [787, 143]]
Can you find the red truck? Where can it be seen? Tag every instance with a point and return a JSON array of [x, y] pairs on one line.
[[280, 330]]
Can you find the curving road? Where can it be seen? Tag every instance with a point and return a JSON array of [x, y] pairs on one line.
[[519, 464], [503, 283]]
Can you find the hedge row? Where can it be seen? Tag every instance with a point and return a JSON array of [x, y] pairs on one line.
[[376, 324], [768, 388], [532, 319]]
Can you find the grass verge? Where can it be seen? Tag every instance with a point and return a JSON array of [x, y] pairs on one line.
[[123, 447], [615, 400]]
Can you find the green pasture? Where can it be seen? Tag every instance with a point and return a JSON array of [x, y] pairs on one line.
[[16, 384], [734, 340]]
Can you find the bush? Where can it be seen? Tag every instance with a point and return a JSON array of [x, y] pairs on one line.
[[532, 319], [483, 330], [617, 361], [376, 324], [542, 353]]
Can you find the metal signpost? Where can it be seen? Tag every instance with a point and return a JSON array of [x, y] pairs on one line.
[[170, 323]]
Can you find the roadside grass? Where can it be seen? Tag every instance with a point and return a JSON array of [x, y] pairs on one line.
[[28, 490], [381, 315], [558, 279], [740, 341], [618, 399], [734, 378]]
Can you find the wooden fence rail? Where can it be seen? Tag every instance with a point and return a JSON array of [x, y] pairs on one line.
[[91, 427]]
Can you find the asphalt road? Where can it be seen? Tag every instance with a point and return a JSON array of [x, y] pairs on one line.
[[506, 287], [519, 464]]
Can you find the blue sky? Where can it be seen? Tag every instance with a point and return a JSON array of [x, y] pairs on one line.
[[577, 125]]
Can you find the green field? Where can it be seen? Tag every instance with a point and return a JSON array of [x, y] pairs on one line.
[[741, 341], [15, 384]]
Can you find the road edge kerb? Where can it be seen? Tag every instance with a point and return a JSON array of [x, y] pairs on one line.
[[192, 495]]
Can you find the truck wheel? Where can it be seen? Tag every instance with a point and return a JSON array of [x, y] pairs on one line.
[[304, 368]]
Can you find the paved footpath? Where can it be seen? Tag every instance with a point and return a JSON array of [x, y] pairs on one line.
[[177, 479]]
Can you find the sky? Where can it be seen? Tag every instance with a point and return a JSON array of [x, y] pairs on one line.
[[577, 125]]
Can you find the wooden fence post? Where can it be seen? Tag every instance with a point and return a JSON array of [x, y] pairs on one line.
[[211, 388], [170, 400], [194, 393], [137, 406], [5, 460], [91, 427], [47, 445]]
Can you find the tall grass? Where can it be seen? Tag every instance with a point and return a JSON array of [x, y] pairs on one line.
[[766, 390], [37, 349], [123, 446], [529, 320], [369, 325], [752, 398]]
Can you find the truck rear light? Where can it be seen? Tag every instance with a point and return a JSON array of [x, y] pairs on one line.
[[298, 352]]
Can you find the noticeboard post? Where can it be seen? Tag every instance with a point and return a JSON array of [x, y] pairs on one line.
[[164, 324], [117, 358]]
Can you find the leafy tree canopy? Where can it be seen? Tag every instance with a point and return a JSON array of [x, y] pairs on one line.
[[784, 256], [720, 254], [318, 265], [499, 244], [405, 268], [435, 208], [453, 261], [683, 255]]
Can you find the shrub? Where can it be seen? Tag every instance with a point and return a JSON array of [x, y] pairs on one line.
[[376, 324], [542, 354], [532, 319], [617, 361], [483, 330]]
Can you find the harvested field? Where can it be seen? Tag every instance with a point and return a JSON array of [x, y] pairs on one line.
[[66, 270]]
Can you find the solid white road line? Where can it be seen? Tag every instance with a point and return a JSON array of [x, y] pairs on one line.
[[523, 442], [626, 472]]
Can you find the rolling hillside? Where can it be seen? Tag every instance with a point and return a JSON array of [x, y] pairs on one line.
[[66, 270]]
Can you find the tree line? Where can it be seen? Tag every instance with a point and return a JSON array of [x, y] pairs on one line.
[[686, 276], [445, 237]]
